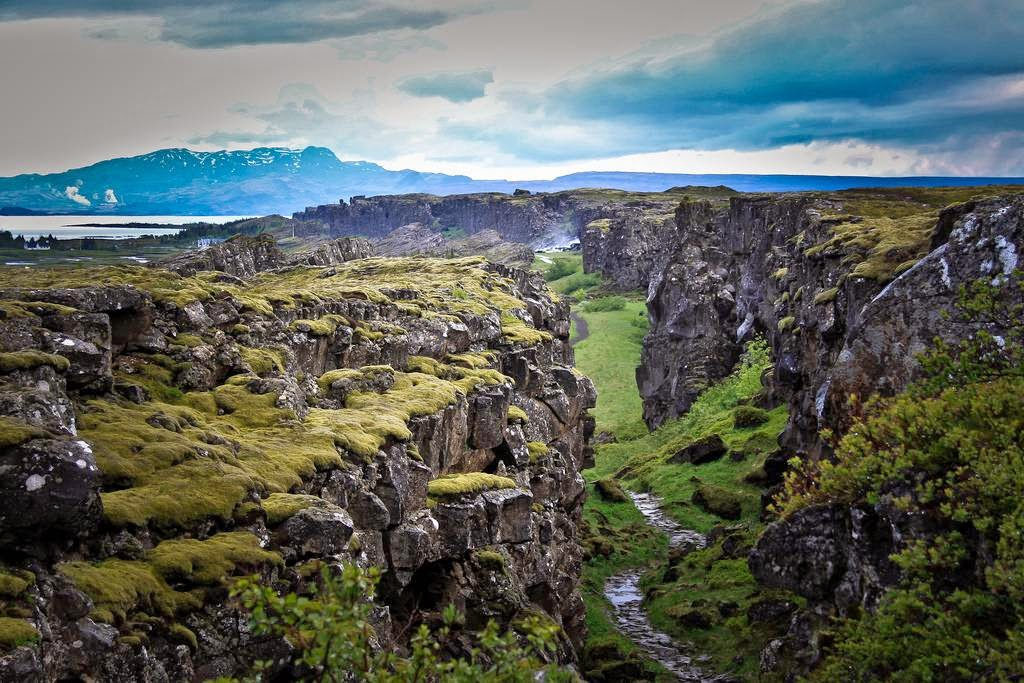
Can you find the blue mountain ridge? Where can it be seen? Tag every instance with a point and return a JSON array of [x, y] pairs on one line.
[[278, 180]]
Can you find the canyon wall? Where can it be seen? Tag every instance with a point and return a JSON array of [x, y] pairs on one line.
[[542, 219], [164, 433]]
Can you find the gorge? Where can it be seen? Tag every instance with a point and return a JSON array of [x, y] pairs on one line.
[[265, 406]]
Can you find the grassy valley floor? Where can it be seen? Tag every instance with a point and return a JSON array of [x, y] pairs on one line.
[[706, 598]]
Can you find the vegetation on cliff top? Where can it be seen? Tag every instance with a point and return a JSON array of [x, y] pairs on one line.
[[949, 450]]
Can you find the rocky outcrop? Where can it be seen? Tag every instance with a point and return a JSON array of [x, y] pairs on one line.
[[843, 316], [168, 433], [416, 239], [848, 289], [244, 256], [540, 219]]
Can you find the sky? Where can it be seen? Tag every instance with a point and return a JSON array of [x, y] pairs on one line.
[[523, 89]]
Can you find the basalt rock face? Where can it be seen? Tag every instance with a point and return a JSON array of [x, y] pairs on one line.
[[417, 239], [166, 434], [839, 321], [245, 256], [848, 295], [541, 219]]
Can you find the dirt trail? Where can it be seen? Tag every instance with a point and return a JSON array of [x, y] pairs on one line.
[[582, 329]]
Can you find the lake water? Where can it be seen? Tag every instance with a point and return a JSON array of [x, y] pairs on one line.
[[70, 227]]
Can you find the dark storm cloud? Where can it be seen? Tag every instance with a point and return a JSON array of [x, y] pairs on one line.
[[462, 86], [227, 23], [875, 70]]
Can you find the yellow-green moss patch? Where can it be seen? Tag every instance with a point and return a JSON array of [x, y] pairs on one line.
[[517, 414], [209, 561], [786, 323], [15, 432], [538, 450], [281, 506], [826, 296], [455, 485], [16, 632], [30, 359]]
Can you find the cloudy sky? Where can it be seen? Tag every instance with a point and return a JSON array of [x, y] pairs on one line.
[[523, 89]]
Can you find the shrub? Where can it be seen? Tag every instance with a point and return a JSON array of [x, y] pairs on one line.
[[333, 640], [952, 447], [605, 304]]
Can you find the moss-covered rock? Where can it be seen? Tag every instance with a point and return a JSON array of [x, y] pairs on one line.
[[718, 501]]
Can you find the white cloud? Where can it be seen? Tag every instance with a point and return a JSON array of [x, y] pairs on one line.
[[109, 197], [71, 192]]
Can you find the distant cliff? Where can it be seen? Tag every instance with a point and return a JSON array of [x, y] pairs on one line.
[[538, 219]]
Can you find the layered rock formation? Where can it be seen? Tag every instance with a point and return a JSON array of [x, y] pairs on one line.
[[163, 433], [417, 239], [245, 256], [540, 220], [849, 289]]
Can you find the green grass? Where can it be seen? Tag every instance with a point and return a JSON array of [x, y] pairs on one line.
[[609, 356]]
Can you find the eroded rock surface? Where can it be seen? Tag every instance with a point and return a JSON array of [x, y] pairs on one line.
[[164, 433]]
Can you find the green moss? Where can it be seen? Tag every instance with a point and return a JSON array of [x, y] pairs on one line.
[[185, 635], [474, 361], [15, 432], [517, 414], [826, 296], [16, 632], [14, 584], [30, 359], [718, 501], [281, 506], [33, 309], [602, 224], [455, 485], [538, 450], [610, 490], [188, 340], [745, 417], [780, 274], [209, 561], [786, 323], [880, 244], [322, 327], [240, 329], [121, 587], [516, 331], [490, 560], [263, 360]]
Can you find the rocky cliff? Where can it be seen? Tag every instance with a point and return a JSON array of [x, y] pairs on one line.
[[848, 288], [163, 433], [541, 219]]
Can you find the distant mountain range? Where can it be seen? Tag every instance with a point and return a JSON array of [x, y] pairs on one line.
[[269, 180]]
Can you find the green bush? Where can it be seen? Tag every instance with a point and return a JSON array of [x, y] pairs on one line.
[[604, 304], [953, 448], [333, 640]]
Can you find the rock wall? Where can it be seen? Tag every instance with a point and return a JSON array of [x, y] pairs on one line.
[[163, 434], [541, 219], [840, 316], [848, 291]]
